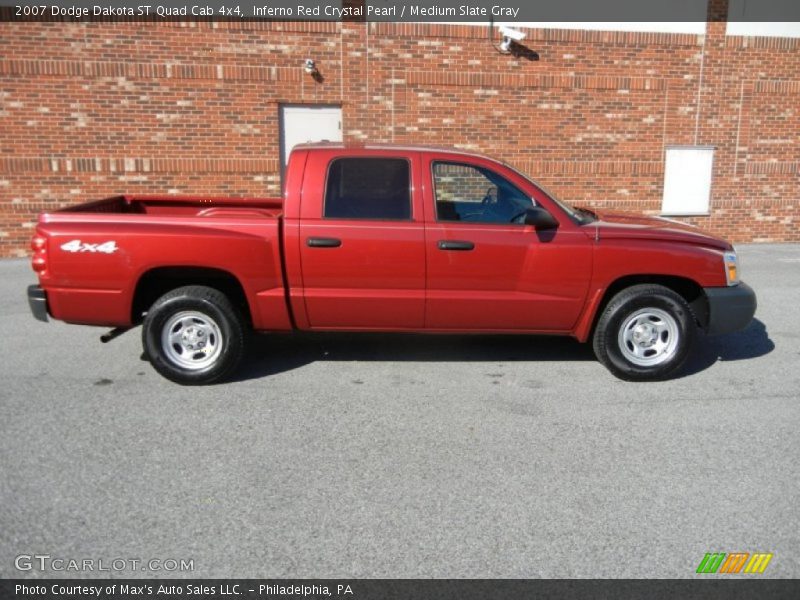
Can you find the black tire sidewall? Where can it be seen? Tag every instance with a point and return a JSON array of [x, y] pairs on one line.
[[165, 308], [621, 309]]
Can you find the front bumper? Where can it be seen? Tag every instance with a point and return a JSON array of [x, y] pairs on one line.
[[730, 308], [37, 300]]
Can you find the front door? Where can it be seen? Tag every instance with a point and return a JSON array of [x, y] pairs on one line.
[[486, 269]]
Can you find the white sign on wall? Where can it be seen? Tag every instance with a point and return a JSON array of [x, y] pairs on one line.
[[687, 180]]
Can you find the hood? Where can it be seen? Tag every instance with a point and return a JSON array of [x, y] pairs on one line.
[[616, 225]]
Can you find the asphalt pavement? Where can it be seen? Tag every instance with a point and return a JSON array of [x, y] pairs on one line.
[[402, 456]]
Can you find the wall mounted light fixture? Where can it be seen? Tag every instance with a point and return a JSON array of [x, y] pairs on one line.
[[510, 36]]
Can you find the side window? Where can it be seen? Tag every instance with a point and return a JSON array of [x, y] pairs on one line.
[[368, 188], [473, 194]]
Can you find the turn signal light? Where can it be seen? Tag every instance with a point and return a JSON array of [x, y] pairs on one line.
[[731, 267], [732, 276]]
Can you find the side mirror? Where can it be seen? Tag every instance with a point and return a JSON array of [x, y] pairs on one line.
[[540, 219]]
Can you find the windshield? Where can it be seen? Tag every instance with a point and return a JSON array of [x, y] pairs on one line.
[[582, 216]]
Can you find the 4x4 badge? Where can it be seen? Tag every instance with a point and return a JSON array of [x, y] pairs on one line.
[[78, 246]]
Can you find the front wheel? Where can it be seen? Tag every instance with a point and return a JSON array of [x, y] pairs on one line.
[[645, 333], [193, 335]]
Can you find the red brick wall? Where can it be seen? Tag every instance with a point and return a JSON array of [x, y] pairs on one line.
[[94, 109]]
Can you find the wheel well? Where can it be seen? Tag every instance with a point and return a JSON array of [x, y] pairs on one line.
[[157, 282], [688, 289]]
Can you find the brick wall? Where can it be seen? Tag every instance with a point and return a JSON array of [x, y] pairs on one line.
[[89, 110]]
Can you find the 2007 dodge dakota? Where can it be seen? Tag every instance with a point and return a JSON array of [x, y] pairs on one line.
[[385, 238]]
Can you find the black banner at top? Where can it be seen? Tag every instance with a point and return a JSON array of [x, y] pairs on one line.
[[423, 11]]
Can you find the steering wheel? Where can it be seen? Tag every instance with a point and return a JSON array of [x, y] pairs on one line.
[[490, 197]]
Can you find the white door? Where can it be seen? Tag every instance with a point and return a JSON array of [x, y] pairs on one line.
[[302, 124]]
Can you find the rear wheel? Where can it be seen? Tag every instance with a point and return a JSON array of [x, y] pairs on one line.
[[193, 335], [645, 333]]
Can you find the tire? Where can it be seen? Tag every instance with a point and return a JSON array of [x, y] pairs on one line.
[[645, 333], [193, 335]]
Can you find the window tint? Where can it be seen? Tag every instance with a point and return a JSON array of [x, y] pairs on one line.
[[476, 195], [368, 188]]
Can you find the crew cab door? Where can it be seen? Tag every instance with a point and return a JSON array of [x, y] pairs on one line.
[[486, 269], [361, 236]]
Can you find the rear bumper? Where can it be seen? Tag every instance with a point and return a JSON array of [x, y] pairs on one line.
[[730, 308], [37, 300]]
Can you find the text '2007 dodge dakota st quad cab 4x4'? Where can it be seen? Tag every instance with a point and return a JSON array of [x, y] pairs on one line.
[[385, 238]]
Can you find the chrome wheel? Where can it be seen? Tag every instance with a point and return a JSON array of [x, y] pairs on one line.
[[649, 337], [191, 340]]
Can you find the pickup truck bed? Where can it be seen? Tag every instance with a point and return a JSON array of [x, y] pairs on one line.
[[119, 246], [184, 206]]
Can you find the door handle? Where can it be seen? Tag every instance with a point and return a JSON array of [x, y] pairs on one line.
[[455, 245], [313, 242]]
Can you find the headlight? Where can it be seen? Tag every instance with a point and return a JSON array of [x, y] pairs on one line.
[[731, 268]]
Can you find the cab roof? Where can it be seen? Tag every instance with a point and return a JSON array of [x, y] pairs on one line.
[[389, 147]]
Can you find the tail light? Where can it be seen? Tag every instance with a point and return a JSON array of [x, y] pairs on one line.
[[39, 242], [39, 259]]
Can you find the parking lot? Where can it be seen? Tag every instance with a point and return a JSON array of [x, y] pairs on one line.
[[404, 456]]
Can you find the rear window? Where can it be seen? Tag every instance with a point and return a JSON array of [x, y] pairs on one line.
[[368, 188]]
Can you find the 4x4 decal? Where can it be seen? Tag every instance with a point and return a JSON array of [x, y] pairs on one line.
[[78, 246]]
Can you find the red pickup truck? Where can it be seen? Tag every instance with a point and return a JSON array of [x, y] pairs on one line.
[[385, 238]]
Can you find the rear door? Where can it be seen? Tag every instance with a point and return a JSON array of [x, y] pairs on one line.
[[362, 241]]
